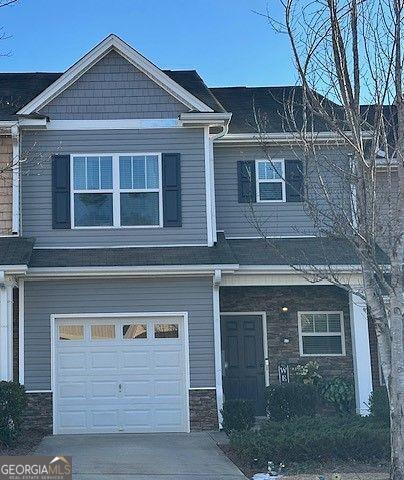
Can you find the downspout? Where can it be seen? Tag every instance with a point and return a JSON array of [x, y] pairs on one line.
[[212, 138], [15, 136]]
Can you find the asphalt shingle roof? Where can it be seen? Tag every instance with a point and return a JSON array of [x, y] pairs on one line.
[[15, 250]]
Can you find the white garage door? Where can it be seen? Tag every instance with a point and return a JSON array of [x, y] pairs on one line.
[[120, 375]]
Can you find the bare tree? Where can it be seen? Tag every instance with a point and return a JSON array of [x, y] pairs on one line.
[[350, 66]]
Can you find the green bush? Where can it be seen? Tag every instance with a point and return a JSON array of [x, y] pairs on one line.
[[340, 393], [313, 439], [12, 404], [238, 415], [379, 405], [290, 400]]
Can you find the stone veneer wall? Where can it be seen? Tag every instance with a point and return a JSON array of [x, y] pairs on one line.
[[203, 410], [38, 415], [281, 326], [6, 192]]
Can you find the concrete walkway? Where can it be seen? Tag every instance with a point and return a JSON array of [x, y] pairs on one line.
[[170, 456]]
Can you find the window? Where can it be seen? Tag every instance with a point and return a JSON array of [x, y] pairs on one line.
[[71, 332], [102, 332], [139, 190], [270, 178], [92, 191], [321, 333], [116, 191], [166, 330], [134, 331]]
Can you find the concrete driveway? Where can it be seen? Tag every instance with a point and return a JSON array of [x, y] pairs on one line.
[[168, 456]]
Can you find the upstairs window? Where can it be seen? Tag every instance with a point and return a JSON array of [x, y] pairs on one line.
[[92, 191], [116, 191], [270, 178], [139, 190], [321, 333]]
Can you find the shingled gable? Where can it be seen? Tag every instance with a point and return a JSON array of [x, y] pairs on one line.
[[114, 43]]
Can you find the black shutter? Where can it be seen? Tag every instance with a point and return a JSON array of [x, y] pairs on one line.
[[61, 191], [294, 180], [171, 189], [246, 182]]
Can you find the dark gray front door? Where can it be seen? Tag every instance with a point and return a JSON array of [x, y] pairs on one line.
[[243, 359]]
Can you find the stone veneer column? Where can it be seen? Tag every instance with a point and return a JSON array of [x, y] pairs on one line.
[[203, 409]]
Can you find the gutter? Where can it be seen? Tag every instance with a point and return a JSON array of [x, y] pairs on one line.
[[319, 137]]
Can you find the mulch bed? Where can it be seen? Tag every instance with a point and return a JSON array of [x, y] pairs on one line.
[[308, 468], [25, 444]]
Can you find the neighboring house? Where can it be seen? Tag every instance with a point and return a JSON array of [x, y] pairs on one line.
[[145, 295]]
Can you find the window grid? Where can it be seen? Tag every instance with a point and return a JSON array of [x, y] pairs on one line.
[[273, 163], [328, 333], [116, 190]]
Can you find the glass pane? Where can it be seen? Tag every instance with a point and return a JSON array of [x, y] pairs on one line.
[[135, 331], [102, 332], [277, 170], [152, 172], [79, 173], [125, 172], [139, 180], [93, 209], [93, 173], [71, 332], [270, 191], [322, 345], [307, 323], [106, 172], [334, 322], [320, 322], [165, 330], [140, 208], [263, 171]]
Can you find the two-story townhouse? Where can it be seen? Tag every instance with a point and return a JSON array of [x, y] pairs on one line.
[[146, 296]]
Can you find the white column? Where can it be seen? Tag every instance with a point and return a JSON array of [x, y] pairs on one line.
[[6, 328], [218, 343], [361, 353]]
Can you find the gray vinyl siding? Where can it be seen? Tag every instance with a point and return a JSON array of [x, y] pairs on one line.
[[272, 219], [192, 295], [113, 89], [387, 207], [38, 147]]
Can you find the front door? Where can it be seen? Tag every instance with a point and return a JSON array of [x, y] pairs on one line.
[[243, 359]]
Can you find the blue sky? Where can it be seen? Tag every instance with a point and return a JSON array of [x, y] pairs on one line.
[[224, 40]]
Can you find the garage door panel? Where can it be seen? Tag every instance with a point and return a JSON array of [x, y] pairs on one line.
[[121, 385]]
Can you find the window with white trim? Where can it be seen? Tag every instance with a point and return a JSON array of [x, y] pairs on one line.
[[321, 333], [270, 178], [116, 190]]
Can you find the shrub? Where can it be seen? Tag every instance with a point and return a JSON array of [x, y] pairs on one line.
[[290, 400], [307, 373], [313, 439], [12, 405], [379, 405], [340, 393], [238, 415]]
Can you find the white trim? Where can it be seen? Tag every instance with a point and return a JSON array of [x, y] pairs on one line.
[[14, 269], [208, 187], [61, 316], [264, 337], [361, 353], [6, 328], [117, 124], [170, 270], [268, 236], [15, 163], [213, 189], [281, 180], [340, 334], [21, 331], [218, 344], [112, 42], [119, 246], [318, 137], [203, 388], [116, 190], [38, 391]]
